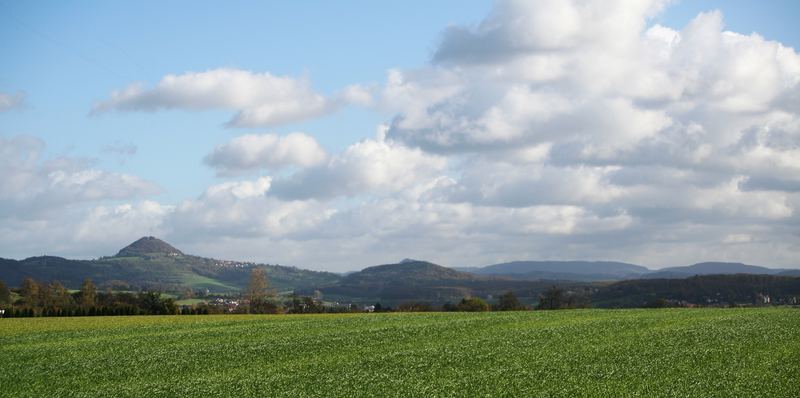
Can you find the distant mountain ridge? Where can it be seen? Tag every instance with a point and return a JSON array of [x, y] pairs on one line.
[[150, 263], [562, 270], [611, 270], [414, 280], [712, 268]]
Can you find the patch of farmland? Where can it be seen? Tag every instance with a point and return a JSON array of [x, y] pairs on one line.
[[673, 352]]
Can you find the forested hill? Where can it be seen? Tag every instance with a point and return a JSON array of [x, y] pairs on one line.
[[713, 268], [610, 270], [562, 270], [148, 245], [150, 263], [412, 280], [700, 290]]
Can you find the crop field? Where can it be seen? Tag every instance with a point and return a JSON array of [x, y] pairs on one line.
[[676, 352]]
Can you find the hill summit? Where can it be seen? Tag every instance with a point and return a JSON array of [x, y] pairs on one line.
[[408, 272], [148, 245]]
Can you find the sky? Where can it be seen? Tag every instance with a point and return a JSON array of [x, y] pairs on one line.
[[338, 135]]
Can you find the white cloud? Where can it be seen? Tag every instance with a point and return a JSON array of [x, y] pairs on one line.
[[515, 184], [520, 27], [109, 225], [265, 151], [677, 130], [359, 95], [371, 166], [607, 87], [241, 209], [31, 184], [240, 189], [63, 205], [11, 101], [259, 99]]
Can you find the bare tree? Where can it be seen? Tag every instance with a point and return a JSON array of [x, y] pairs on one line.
[[88, 293], [30, 292], [509, 302], [259, 293]]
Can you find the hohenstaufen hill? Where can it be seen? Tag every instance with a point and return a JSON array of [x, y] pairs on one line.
[[148, 245], [150, 263]]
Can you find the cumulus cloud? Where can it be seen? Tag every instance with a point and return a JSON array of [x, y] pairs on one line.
[[259, 99], [241, 209], [109, 225], [265, 151], [64, 205], [520, 27], [590, 105], [11, 101], [606, 83], [520, 185], [371, 166], [31, 183]]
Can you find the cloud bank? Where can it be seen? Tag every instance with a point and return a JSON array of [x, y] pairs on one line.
[[550, 130], [265, 151]]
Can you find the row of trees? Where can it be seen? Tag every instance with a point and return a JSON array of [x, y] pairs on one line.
[[552, 299], [261, 299], [556, 298], [53, 299], [702, 290]]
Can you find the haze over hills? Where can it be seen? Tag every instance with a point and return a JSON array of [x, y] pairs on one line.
[[711, 268], [562, 270], [611, 270]]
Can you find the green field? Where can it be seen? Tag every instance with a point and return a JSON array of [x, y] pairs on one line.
[[677, 352]]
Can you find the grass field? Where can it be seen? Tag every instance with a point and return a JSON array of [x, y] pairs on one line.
[[679, 352]]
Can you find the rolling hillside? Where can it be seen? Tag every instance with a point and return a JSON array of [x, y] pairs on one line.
[[713, 268], [714, 289], [150, 263], [413, 280], [593, 271], [562, 270]]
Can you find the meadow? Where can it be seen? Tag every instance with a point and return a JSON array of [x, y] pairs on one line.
[[665, 352]]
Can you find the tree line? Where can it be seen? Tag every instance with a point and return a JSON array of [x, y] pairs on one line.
[[35, 299], [262, 299], [53, 299], [553, 298]]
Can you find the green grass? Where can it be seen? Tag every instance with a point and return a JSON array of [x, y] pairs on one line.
[[678, 352], [190, 301]]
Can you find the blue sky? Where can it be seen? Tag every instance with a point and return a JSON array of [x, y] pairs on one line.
[[66, 57]]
